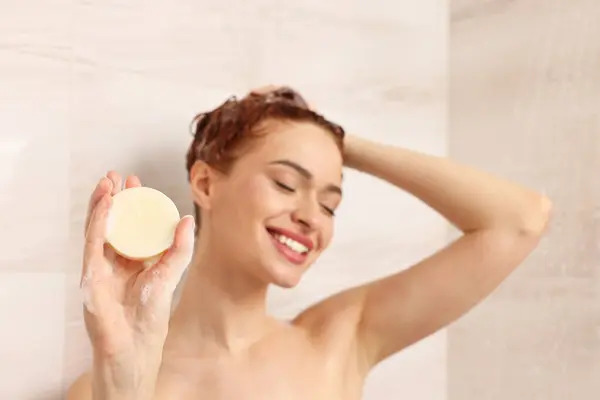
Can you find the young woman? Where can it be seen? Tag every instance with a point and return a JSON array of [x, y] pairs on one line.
[[266, 177]]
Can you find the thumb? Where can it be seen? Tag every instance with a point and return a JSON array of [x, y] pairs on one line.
[[176, 259]]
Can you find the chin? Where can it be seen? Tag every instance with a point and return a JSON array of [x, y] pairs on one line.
[[286, 284], [285, 276], [280, 269]]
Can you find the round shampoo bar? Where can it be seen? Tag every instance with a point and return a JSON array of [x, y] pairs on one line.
[[141, 223]]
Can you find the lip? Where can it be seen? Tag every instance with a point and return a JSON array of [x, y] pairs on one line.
[[304, 240]]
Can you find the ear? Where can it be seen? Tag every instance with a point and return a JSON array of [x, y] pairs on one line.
[[202, 179]]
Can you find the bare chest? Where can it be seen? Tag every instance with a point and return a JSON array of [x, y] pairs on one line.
[[276, 376]]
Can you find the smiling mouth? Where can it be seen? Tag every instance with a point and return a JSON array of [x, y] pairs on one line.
[[290, 249], [289, 243]]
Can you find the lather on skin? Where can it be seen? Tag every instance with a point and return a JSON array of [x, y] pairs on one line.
[[266, 176]]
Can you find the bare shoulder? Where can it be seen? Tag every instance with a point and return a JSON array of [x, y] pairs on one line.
[[338, 309], [332, 323], [81, 389]]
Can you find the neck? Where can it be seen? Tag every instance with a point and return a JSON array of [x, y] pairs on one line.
[[220, 309]]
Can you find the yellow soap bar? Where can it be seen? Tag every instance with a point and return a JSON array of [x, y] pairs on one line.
[[141, 223]]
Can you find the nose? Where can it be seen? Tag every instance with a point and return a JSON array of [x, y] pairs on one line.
[[307, 215]]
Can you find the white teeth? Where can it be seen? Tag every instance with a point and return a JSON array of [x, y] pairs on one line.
[[291, 243]]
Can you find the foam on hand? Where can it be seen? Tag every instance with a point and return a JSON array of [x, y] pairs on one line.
[[141, 223]]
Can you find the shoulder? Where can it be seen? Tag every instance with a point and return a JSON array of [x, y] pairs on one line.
[[333, 322], [81, 389]]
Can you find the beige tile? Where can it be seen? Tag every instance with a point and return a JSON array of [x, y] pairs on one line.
[[536, 338], [40, 28], [524, 95], [32, 337], [192, 43], [34, 94], [357, 53], [77, 354], [374, 15]]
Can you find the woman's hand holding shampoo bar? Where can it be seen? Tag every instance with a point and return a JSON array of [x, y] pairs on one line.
[[127, 301]]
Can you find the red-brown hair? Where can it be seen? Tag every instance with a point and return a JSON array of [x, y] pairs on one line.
[[219, 135]]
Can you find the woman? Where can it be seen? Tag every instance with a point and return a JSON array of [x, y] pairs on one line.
[[265, 175]]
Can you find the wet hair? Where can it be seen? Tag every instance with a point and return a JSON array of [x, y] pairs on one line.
[[221, 135]]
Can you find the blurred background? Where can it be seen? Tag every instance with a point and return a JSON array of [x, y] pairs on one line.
[[509, 86]]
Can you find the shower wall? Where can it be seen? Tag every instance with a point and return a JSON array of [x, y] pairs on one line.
[[87, 86], [524, 103]]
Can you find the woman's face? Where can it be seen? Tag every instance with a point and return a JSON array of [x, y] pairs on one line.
[[273, 213]]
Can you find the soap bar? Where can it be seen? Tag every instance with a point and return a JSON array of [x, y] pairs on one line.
[[141, 223]]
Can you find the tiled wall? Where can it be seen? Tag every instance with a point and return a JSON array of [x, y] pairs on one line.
[[524, 103], [87, 86]]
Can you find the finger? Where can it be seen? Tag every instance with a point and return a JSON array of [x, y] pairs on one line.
[[116, 180], [110, 254], [95, 235], [132, 181], [176, 259], [103, 187]]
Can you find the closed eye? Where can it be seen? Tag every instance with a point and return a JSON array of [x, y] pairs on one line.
[[284, 187], [288, 189], [329, 211]]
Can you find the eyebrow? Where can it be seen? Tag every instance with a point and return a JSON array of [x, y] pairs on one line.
[[306, 174]]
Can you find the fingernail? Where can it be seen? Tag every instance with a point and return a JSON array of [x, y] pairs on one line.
[[107, 182]]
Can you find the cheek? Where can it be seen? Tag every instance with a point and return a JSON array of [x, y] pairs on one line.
[[260, 199], [327, 232]]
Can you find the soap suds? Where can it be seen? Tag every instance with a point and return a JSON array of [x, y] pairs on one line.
[[86, 293], [145, 295], [152, 261]]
